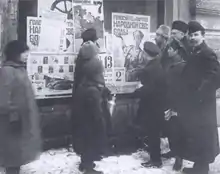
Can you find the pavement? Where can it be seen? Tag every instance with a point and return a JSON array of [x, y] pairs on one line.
[[62, 161]]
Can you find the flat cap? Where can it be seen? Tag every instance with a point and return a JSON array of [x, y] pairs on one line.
[[195, 26], [180, 25], [151, 49]]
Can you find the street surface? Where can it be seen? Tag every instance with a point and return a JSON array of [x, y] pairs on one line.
[[64, 162]]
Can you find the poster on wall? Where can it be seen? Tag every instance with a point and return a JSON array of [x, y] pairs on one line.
[[51, 31], [129, 32], [51, 74], [33, 32], [88, 14]]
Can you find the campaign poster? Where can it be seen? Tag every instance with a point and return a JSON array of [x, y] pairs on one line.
[[62, 10], [33, 32], [51, 74], [52, 32], [129, 32], [88, 14]]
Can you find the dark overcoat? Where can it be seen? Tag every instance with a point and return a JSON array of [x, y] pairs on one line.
[[152, 94], [20, 135], [198, 112], [88, 120]]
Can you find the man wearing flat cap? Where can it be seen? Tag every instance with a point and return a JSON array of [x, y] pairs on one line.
[[198, 115], [151, 94]]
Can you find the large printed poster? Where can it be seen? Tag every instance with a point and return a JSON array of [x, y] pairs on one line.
[[86, 14], [51, 74], [50, 33], [129, 32]]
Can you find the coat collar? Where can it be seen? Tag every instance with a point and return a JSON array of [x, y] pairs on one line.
[[15, 64], [198, 48]]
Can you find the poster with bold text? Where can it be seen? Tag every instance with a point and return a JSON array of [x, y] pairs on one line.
[[88, 14], [51, 31], [51, 74], [129, 32], [33, 32]]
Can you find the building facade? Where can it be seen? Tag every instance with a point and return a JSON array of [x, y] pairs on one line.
[[55, 112]]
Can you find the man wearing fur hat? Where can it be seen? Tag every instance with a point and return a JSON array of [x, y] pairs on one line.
[[198, 114], [162, 36], [173, 58], [178, 35]]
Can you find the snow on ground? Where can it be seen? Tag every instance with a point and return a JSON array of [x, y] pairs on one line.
[[65, 162]]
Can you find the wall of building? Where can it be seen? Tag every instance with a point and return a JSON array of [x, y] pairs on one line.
[[8, 12]]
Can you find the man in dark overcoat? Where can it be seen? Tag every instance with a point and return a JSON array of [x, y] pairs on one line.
[[89, 124], [152, 102], [173, 60], [198, 114]]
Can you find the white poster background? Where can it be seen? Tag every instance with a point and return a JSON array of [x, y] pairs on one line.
[[51, 35]]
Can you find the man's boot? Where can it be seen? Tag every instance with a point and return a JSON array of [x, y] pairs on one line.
[[197, 169], [178, 164]]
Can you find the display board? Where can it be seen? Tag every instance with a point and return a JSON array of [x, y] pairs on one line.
[[55, 39]]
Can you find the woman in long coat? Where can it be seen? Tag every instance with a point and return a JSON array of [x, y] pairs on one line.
[[20, 139]]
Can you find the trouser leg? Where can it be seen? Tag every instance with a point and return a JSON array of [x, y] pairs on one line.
[[154, 142]]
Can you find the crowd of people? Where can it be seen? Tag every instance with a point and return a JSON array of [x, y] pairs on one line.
[[177, 100]]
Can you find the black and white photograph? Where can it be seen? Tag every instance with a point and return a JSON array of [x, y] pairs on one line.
[[110, 87]]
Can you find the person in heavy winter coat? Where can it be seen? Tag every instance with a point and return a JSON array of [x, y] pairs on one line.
[[152, 103], [20, 137], [198, 114], [88, 115]]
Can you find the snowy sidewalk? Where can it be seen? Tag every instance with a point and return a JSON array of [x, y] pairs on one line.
[[64, 162]]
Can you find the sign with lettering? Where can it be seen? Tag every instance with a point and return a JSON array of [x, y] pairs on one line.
[[33, 32]]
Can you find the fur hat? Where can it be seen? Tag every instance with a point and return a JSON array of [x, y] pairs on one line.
[[180, 25], [164, 31], [195, 26]]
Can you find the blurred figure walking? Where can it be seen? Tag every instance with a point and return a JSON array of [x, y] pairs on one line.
[[20, 136]]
